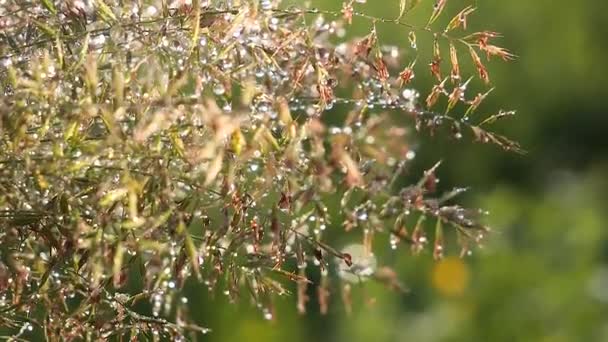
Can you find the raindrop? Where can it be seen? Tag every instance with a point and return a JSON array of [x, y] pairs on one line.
[[394, 241], [410, 94], [218, 89], [227, 107], [150, 11], [97, 41], [266, 5], [363, 264], [6, 62], [362, 216]]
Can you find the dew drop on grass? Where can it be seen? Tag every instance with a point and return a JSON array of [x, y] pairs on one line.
[[267, 314], [6, 62], [218, 89], [362, 216], [266, 5], [394, 241], [363, 265]]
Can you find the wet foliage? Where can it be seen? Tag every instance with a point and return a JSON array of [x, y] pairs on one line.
[[147, 144]]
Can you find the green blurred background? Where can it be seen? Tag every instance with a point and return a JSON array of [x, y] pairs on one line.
[[543, 276]]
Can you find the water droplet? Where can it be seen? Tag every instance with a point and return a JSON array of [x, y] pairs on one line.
[[363, 264], [6, 62], [267, 314], [266, 5], [97, 42], [227, 107], [218, 89], [150, 11], [394, 241], [362, 216]]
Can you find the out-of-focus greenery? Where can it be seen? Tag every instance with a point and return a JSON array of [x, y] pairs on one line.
[[544, 274]]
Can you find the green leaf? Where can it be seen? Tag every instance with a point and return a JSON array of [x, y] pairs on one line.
[[437, 10], [405, 6], [105, 12], [190, 248], [48, 4], [83, 52], [71, 131], [196, 29], [60, 54], [402, 6], [113, 196], [118, 84], [45, 28], [178, 145]]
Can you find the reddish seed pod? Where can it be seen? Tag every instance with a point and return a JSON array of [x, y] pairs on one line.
[[348, 259]]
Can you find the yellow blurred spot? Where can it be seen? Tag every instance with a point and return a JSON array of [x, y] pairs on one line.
[[450, 276], [237, 141], [252, 327]]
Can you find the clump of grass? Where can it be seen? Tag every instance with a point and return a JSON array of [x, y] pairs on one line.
[[144, 144]]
